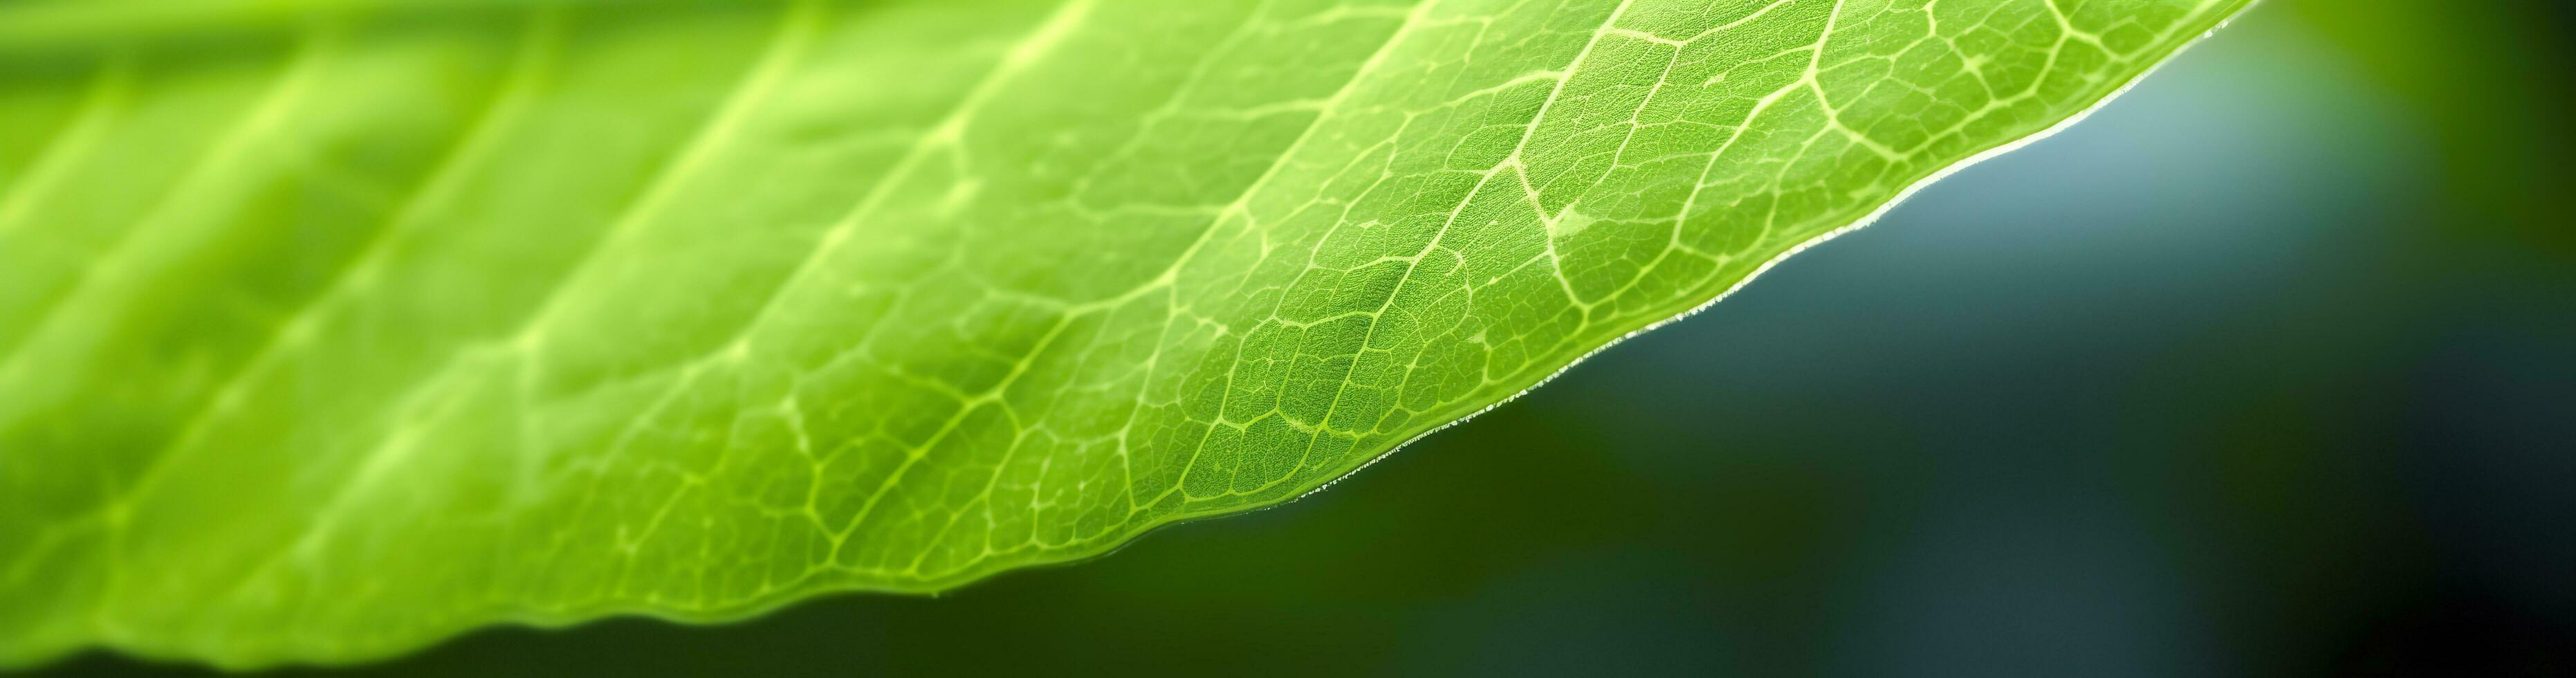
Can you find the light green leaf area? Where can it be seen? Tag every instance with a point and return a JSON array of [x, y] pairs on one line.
[[329, 329]]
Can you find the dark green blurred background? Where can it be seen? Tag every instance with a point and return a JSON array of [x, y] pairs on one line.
[[2268, 369]]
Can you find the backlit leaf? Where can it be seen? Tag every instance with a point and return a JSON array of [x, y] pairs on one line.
[[332, 328]]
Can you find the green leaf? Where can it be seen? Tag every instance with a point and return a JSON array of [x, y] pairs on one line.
[[333, 328]]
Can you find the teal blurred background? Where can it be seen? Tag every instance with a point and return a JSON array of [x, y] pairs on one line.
[[2268, 369]]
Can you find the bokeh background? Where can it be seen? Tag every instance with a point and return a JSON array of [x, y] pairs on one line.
[[2268, 369]]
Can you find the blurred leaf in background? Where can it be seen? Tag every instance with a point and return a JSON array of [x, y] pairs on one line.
[[2489, 84]]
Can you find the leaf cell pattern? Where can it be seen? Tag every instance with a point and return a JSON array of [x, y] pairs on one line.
[[331, 331]]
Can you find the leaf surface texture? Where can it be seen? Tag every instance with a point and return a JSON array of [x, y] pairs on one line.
[[330, 329]]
